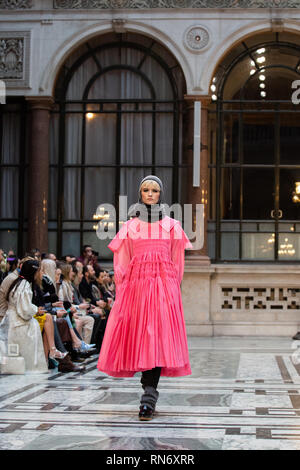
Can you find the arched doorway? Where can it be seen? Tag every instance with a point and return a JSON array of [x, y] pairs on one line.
[[118, 116], [255, 144]]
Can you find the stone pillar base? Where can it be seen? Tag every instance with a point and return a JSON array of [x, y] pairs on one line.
[[197, 260], [12, 365]]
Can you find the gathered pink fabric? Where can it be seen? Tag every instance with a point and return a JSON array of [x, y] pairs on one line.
[[146, 327]]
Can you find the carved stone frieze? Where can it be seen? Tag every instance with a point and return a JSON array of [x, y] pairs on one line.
[[148, 4], [15, 4], [14, 58]]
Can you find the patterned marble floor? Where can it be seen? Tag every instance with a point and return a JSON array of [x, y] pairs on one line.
[[244, 393]]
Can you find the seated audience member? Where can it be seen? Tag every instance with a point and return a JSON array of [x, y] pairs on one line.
[[69, 259], [6, 284], [49, 256], [12, 264], [23, 328], [111, 283], [86, 255], [104, 294], [65, 294], [84, 322], [36, 254], [44, 295], [97, 306]]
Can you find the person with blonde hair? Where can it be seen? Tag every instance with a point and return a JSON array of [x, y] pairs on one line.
[[145, 330]]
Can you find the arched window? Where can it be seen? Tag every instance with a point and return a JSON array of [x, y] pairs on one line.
[[13, 171], [255, 152], [118, 117]]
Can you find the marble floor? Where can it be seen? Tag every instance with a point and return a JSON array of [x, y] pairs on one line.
[[244, 393]]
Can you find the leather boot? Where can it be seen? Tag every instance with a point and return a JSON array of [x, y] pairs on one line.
[[66, 365]]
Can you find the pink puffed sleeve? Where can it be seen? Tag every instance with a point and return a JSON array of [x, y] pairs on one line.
[[179, 243], [121, 247]]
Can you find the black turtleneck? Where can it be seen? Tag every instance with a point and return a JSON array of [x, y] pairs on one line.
[[149, 212]]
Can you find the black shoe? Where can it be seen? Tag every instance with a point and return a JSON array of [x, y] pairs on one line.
[[66, 365], [146, 413], [86, 354], [297, 336]]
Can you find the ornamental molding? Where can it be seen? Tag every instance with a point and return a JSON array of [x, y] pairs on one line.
[[197, 38], [15, 4], [148, 4], [14, 58]]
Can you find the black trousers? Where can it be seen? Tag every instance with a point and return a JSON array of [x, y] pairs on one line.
[[151, 377]]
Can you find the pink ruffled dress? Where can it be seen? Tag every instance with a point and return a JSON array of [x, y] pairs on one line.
[[146, 327]]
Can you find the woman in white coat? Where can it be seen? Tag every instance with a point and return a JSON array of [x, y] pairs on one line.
[[23, 329]]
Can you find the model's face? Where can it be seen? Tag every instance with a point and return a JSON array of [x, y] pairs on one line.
[[150, 194]]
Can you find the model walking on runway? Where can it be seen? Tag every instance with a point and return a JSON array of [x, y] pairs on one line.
[[146, 331]]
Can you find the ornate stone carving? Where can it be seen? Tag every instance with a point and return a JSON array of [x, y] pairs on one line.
[[11, 57], [14, 58], [15, 4], [146, 4], [265, 298], [196, 38]]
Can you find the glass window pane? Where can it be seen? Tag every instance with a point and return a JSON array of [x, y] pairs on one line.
[[258, 246], [289, 138], [9, 240], [164, 139], [229, 246], [288, 178], [230, 193], [129, 183], [259, 138], [211, 245], [230, 226], [52, 201], [289, 246], [72, 194], [73, 134], [230, 153], [70, 243], [9, 193], [136, 139], [158, 78], [11, 128], [99, 189], [52, 239], [258, 203], [120, 84], [81, 78], [54, 139], [166, 175], [101, 139]]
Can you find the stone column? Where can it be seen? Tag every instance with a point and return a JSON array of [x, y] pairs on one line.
[[198, 195], [38, 174], [196, 290]]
